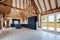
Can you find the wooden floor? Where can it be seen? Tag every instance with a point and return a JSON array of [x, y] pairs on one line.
[[27, 34]]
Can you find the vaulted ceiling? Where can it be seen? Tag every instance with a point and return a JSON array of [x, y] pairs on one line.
[[28, 8], [47, 6], [23, 8]]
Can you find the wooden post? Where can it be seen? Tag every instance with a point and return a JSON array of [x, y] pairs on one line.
[[7, 23], [39, 20]]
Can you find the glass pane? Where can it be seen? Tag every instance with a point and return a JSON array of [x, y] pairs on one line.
[[58, 22], [51, 22], [44, 22]]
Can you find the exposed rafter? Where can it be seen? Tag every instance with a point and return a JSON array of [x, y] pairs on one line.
[[24, 16], [16, 8], [5, 9], [50, 4], [45, 5], [20, 3], [35, 6], [26, 3], [16, 3], [29, 2], [40, 6], [17, 13], [52, 11], [23, 4], [56, 3]]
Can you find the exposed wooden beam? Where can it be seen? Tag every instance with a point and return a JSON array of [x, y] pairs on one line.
[[16, 3], [35, 6], [0, 12], [40, 6], [52, 11], [16, 8], [20, 3], [5, 9], [26, 4], [29, 2], [45, 5], [50, 4], [56, 3], [23, 4], [23, 15]]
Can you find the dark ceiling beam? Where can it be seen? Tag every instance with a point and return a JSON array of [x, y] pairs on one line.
[[35, 6], [45, 5], [40, 6], [50, 4], [52, 11], [56, 3]]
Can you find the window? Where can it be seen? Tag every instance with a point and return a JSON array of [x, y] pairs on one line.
[[58, 22], [44, 22], [51, 22]]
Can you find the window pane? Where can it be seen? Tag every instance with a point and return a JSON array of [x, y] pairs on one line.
[[58, 22], [44, 22], [51, 22]]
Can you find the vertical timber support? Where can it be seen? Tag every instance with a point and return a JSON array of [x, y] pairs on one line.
[[47, 22], [2, 21], [55, 23], [7, 23], [39, 20]]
